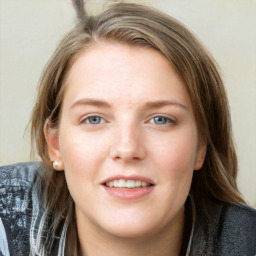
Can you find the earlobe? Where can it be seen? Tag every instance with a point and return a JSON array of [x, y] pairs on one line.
[[52, 139], [201, 153]]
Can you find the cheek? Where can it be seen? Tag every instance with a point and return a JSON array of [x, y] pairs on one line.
[[82, 153], [83, 157], [173, 159], [178, 172], [176, 156]]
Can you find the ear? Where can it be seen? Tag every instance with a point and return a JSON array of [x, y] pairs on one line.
[[52, 139], [200, 156]]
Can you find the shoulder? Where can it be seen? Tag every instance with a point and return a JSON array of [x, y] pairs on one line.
[[18, 174], [237, 230], [16, 200], [16, 183], [239, 212], [24, 221], [238, 223], [230, 230]]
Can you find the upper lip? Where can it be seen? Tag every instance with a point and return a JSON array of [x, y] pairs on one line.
[[132, 177]]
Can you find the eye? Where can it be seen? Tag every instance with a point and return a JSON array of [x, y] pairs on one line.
[[94, 120], [161, 120]]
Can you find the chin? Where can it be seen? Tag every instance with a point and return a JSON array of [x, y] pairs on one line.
[[123, 227], [128, 232]]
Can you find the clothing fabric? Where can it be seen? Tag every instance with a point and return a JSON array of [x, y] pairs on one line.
[[230, 230]]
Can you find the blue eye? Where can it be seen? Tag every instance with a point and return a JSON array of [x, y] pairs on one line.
[[160, 120], [94, 120]]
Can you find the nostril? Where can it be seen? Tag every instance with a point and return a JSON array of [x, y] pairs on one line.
[[127, 149]]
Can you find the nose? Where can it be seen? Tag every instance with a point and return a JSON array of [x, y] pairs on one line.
[[128, 144]]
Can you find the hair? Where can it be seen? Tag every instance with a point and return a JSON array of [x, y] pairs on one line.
[[138, 25]]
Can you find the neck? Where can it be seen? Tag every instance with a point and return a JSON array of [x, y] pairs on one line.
[[165, 242]]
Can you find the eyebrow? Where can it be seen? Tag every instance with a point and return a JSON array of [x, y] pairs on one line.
[[92, 102], [163, 103], [148, 105]]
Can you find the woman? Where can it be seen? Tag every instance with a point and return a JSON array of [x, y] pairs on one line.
[[133, 127]]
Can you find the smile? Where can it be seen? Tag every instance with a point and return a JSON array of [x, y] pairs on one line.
[[128, 184], [128, 188]]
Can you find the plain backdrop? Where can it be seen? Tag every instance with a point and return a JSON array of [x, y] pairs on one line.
[[31, 29]]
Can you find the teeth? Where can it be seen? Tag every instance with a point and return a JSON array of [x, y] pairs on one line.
[[111, 184], [137, 183], [143, 184], [130, 184], [127, 183], [120, 183]]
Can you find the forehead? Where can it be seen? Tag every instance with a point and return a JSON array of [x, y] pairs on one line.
[[118, 71]]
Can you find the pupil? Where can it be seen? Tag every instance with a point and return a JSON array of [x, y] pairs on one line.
[[95, 120], [160, 120]]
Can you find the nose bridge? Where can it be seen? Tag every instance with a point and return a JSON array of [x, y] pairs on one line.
[[128, 144]]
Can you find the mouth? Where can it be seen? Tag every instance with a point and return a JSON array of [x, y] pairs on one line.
[[127, 184], [128, 188]]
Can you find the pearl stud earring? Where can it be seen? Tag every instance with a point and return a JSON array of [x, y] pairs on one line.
[[55, 164]]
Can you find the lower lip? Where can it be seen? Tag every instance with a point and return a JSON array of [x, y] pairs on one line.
[[128, 194]]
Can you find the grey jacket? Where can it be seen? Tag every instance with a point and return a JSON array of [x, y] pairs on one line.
[[231, 230]]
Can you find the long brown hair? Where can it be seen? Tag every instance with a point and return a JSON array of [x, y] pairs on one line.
[[138, 25]]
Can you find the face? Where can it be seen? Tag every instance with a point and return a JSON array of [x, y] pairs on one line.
[[128, 141]]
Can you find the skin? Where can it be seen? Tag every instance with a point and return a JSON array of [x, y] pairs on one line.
[[126, 89]]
